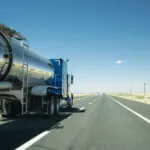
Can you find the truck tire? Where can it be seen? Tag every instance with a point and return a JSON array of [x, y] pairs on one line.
[[57, 105], [12, 109], [51, 106]]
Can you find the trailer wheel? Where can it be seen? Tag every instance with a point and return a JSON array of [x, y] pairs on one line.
[[51, 106], [57, 106], [11, 108]]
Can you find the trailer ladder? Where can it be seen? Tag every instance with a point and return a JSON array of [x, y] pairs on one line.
[[25, 79]]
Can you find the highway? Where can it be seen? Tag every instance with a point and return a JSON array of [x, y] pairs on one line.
[[95, 123]]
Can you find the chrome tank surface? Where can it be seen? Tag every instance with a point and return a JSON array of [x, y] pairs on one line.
[[4, 62], [12, 63], [5, 86]]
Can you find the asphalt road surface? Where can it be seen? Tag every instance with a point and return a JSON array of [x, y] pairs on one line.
[[108, 123]]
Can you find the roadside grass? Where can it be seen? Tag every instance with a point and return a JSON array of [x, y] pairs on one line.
[[134, 97], [80, 96], [139, 97]]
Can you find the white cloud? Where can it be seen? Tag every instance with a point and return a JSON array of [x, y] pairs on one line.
[[120, 62]]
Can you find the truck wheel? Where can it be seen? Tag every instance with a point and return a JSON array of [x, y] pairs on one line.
[[12, 109], [57, 106], [51, 106]]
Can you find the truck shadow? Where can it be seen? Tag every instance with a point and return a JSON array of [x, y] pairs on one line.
[[73, 110], [17, 131]]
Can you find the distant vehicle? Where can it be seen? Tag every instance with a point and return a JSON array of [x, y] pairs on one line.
[[30, 83]]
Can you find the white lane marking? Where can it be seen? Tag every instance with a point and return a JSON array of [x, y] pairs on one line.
[[131, 110], [82, 108], [90, 103], [33, 140], [37, 138], [41, 135], [2, 121]]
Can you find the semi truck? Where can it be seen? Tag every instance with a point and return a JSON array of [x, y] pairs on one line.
[[30, 83]]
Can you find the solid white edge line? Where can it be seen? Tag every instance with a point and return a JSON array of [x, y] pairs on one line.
[[36, 138], [33, 140], [131, 110], [41, 135]]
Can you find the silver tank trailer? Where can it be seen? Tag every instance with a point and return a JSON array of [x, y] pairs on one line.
[[13, 60]]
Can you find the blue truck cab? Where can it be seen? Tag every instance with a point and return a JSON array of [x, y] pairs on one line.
[[62, 80]]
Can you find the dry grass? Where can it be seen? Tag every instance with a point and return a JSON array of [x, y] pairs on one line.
[[80, 95], [134, 97]]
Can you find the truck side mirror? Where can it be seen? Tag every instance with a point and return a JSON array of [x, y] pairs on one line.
[[71, 79]]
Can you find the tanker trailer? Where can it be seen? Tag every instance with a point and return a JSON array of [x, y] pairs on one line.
[[23, 75]]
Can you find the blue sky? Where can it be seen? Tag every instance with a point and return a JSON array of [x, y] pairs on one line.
[[93, 34]]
